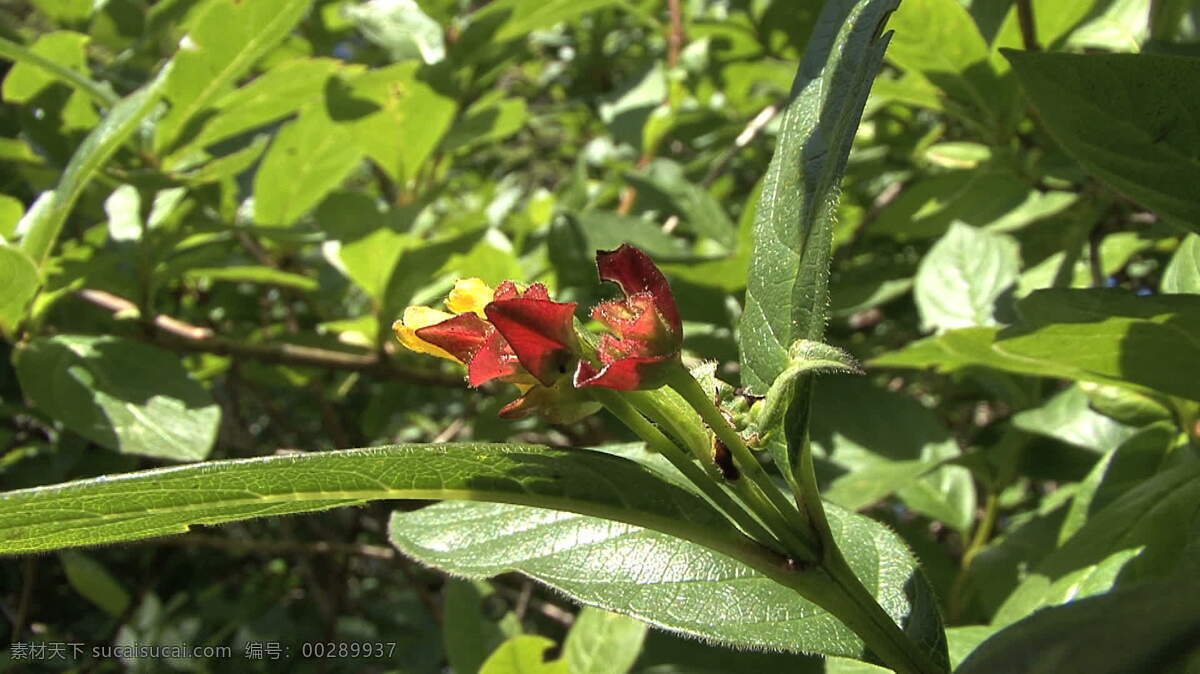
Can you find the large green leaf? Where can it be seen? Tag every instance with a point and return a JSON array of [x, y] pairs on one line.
[[309, 157], [45, 219], [223, 43], [395, 116], [962, 276], [1152, 628], [1107, 336], [276, 93], [674, 584], [787, 295], [158, 502], [129, 397], [1131, 120], [19, 278]]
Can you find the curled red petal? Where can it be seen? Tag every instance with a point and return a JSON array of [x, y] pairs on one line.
[[636, 273], [461, 336], [507, 290], [635, 373], [540, 332], [493, 360]]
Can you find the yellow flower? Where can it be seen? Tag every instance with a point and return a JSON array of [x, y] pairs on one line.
[[470, 295], [414, 319]]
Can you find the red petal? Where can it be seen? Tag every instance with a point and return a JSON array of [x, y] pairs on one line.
[[637, 319], [493, 360], [636, 273], [540, 332], [461, 335], [627, 374], [507, 290]]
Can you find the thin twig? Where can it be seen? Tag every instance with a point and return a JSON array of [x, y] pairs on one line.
[[1028, 28], [551, 611], [675, 38], [451, 431], [178, 335], [28, 579]]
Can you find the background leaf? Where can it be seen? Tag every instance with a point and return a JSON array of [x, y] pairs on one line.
[[222, 44], [962, 276], [129, 397], [1152, 626], [601, 642], [1182, 275], [1127, 119]]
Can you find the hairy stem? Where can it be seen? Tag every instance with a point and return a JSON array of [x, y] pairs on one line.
[[657, 441]]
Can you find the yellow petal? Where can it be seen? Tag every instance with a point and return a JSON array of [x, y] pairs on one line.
[[470, 295], [414, 319]]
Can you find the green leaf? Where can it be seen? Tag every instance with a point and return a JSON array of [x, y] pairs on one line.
[[104, 510], [1130, 120], [524, 654], [59, 55], [1108, 336], [90, 579], [1136, 460], [129, 397], [19, 278], [1037, 591], [489, 120], [516, 18], [787, 293], [875, 443], [959, 66], [992, 199], [1151, 628], [276, 93], [601, 642], [309, 157], [44, 221], [11, 212], [1182, 274], [470, 626], [221, 46], [397, 103], [962, 276], [1158, 515], [676, 585], [400, 27], [1068, 417]]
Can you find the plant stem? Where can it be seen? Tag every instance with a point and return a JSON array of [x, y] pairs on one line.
[[1028, 29], [795, 525], [860, 611], [657, 441]]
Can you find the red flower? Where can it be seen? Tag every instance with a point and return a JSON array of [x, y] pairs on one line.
[[647, 333], [527, 340]]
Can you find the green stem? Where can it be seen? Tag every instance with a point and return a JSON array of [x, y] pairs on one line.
[[657, 441], [858, 609], [980, 537], [795, 525]]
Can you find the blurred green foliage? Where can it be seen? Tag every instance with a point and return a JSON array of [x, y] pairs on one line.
[[213, 210]]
